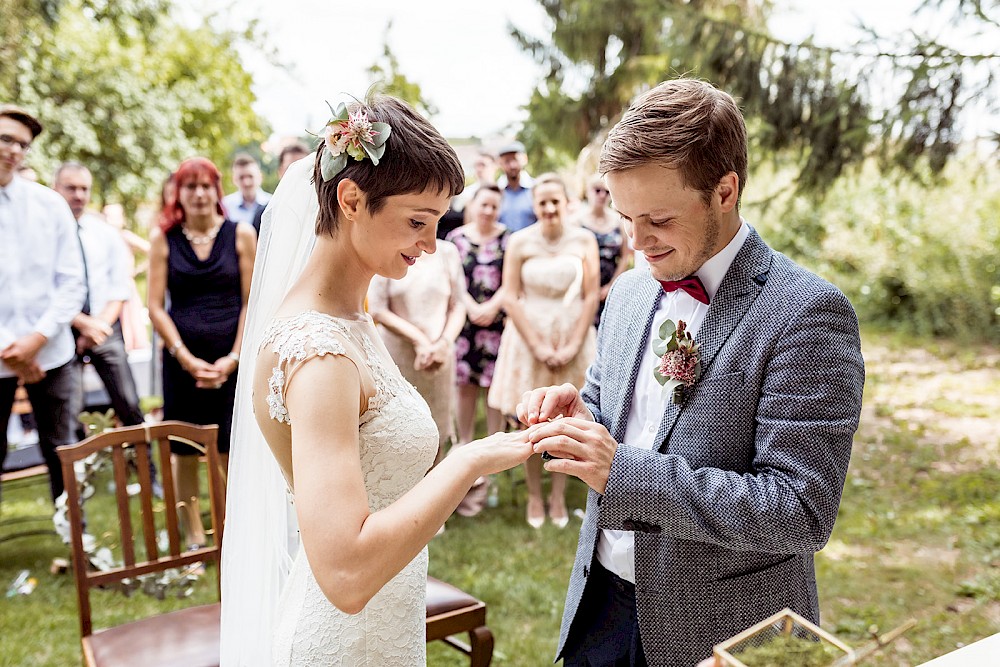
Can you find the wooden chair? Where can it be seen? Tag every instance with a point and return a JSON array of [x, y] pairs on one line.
[[451, 611], [188, 637]]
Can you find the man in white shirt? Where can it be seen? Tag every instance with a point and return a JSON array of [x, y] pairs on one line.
[[41, 280], [707, 500], [242, 205], [97, 326]]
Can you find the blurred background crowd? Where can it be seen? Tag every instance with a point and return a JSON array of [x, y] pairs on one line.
[[513, 293], [873, 163]]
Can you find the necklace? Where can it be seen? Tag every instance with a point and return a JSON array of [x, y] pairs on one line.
[[201, 239]]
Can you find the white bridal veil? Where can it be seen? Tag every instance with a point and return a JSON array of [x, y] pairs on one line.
[[261, 532]]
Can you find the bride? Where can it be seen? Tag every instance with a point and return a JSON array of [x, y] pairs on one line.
[[328, 437]]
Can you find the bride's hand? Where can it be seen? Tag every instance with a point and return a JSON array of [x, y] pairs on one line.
[[498, 452]]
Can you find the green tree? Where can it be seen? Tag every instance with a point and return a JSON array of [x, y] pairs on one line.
[[387, 78], [129, 91], [805, 103]]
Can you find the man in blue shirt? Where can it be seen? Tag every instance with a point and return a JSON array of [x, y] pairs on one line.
[[242, 205], [516, 210]]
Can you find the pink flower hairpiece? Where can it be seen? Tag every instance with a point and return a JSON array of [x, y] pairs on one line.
[[351, 134], [680, 363]]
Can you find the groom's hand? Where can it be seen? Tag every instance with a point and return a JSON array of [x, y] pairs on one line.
[[545, 403], [581, 447]]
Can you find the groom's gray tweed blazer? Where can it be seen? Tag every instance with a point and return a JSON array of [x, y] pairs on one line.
[[745, 480]]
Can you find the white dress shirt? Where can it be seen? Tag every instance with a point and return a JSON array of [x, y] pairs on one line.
[[108, 263], [616, 548], [238, 210], [41, 272]]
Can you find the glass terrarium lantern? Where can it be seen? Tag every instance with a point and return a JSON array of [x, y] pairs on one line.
[[783, 640]]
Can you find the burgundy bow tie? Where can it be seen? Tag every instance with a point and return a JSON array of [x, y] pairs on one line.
[[692, 285]]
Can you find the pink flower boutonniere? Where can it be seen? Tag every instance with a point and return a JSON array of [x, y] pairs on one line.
[[680, 364]]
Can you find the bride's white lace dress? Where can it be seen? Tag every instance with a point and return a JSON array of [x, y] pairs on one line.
[[398, 441]]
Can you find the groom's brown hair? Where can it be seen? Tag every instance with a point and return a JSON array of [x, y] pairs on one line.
[[416, 157], [682, 124]]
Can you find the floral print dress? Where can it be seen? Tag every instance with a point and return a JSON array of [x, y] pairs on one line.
[[609, 250], [476, 348]]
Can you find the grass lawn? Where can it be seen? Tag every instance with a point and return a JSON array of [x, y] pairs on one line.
[[918, 534]]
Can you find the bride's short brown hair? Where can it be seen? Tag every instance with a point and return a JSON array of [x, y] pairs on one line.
[[416, 157]]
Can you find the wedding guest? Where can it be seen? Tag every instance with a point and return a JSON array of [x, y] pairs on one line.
[[242, 205], [203, 263], [550, 286], [289, 154], [97, 326], [484, 170], [41, 280], [134, 320], [613, 247], [516, 211], [421, 315], [481, 244]]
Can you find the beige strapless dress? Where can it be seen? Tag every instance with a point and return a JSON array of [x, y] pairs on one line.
[[552, 300]]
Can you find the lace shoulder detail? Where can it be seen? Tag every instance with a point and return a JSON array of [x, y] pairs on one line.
[[294, 340]]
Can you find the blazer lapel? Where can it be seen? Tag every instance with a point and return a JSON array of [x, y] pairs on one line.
[[631, 348], [743, 282]]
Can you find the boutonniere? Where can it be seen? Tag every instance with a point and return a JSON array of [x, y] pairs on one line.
[[680, 363]]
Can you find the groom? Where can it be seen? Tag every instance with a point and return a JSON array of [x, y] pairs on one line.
[[704, 513]]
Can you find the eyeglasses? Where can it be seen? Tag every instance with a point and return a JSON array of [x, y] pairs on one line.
[[8, 140]]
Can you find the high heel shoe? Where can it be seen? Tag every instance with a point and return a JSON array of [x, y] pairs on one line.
[[538, 520], [560, 520]]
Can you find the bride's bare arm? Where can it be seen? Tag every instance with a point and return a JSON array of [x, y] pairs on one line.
[[353, 552]]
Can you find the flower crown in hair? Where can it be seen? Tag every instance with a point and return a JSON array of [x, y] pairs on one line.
[[351, 134]]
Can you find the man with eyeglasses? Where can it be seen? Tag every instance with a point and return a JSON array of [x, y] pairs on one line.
[[41, 280]]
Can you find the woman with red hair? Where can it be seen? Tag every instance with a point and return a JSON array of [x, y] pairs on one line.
[[203, 261]]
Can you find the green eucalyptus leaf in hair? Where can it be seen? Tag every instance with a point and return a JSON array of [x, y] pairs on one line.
[[331, 166]]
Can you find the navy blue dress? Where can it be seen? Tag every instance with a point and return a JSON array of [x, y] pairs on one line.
[[205, 301]]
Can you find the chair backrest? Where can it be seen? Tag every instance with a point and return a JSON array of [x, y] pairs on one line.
[[142, 439]]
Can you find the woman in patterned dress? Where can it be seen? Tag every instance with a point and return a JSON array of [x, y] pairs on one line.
[[481, 244], [613, 247]]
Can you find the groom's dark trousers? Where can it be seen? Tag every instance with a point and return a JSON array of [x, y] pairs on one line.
[[605, 631]]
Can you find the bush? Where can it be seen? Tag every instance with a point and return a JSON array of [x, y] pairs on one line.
[[922, 259]]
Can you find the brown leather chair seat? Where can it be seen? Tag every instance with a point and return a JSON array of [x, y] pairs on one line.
[[185, 638], [452, 611], [442, 598]]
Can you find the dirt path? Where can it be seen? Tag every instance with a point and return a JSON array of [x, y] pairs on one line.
[[952, 394]]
